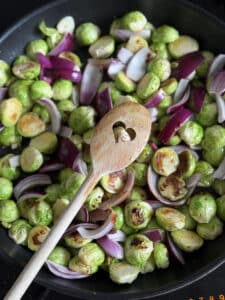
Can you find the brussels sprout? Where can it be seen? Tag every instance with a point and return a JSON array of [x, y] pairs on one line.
[[53, 36], [60, 255], [165, 34], [64, 174], [138, 214], [214, 137], [191, 133], [20, 89], [140, 171], [42, 112], [161, 256], [165, 161], [214, 157], [65, 106], [94, 199], [10, 137], [10, 111], [172, 187], [6, 188], [76, 241], [6, 170], [19, 231], [154, 225], [164, 104], [218, 186], [27, 70], [160, 49], [169, 86], [137, 249], [170, 219], [91, 254], [149, 266], [123, 83], [24, 207], [76, 265], [87, 34], [103, 47], [119, 217], [20, 60], [190, 223], [52, 192], [62, 89], [138, 194], [187, 240], [122, 272], [187, 164], [211, 230], [160, 67], [148, 85], [73, 184], [114, 92], [36, 46], [208, 115], [78, 141], [8, 211], [182, 46], [134, 21], [31, 159], [40, 213], [136, 43], [4, 73], [58, 208], [30, 125], [114, 182], [107, 262], [202, 207], [45, 142], [36, 237], [220, 202], [82, 119], [145, 155], [203, 68], [40, 89], [87, 136], [127, 229], [206, 170]]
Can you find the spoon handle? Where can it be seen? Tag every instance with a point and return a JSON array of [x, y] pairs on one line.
[[39, 258]]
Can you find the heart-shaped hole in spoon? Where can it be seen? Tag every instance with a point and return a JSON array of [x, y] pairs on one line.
[[123, 134]]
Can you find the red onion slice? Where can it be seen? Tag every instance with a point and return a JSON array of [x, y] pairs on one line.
[[74, 76], [73, 228], [92, 77], [110, 247], [117, 235], [125, 34], [217, 83], [14, 161], [220, 171], [174, 250], [198, 98], [54, 113], [155, 235], [83, 215], [178, 105], [136, 68], [30, 182], [66, 44], [66, 131], [98, 215], [155, 100], [103, 102], [124, 55], [3, 92], [80, 165], [180, 91], [63, 272], [115, 67], [192, 182], [220, 107], [153, 114], [67, 153], [44, 61], [51, 166], [153, 146], [216, 66], [63, 63], [31, 195]]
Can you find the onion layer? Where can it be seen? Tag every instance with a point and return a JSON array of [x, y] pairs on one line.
[[110, 247]]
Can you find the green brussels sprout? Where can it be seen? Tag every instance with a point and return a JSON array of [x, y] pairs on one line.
[[30, 125], [6, 171], [42, 112], [6, 189], [94, 199], [36, 46], [116, 24], [140, 172], [64, 174], [87, 136], [60, 255], [40, 89], [87, 34], [191, 133], [165, 161], [91, 254], [103, 47], [187, 164], [214, 157], [160, 49], [86, 154], [20, 89], [76, 241], [208, 115], [127, 229], [73, 184], [71, 57], [165, 34], [20, 60], [123, 83], [137, 249], [202, 207], [40, 213], [149, 84], [149, 266], [220, 202], [190, 223], [10, 111], [160, 67], [187, 240], [138, 214], [169, 86], [169, 218], [183, 45], [172, 187], [164, 104], [134, 21], [82, 119], [19, 231], [161, 256], [122, 272], [76, 265], [78, 141], [4, 73], [8, 211], [138, 194], [53, 36], [136, 43], [207, 171], [25, 206], [154, 225], [31, 159], [45, 142], [203, 68], [107, 262], [36, 236], [58, 208], [52, 192], [65, 106], [145, 155], [211, 230], [119, 217], [62, 89], [218, 186], [10, 137], [114, 182], [214, 137], [27, 70]]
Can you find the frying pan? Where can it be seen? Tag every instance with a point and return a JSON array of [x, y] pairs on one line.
[[210, 32]]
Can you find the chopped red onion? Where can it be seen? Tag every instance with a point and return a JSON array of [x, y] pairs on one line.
[[73, 228], [125, 34], [80, 165], [220, 171], [198, 97], [51, 166], [124, 55], [153, 146], [180, 91], [216, 84], [174, 250], [103, 102], [153, 114], [66, 131], [216, 66], [30, 195], [75, 95], [175, 107], [83, 215], [98, 215], [191, 182], [117, 235], [115, 67], [63, 64], [54, 113], [155, 99], [14, 161], [3, 93], [110, 247], [44, 61], [155, 234], [220, 107], [74, 76], [67, 152], [66, 44]]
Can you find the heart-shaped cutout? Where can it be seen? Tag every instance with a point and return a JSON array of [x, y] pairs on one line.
[[123, 134]]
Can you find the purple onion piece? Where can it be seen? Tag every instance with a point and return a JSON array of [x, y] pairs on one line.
[[153, 146], [115, 67], [103, 102], [155, 99], [220, 171], [117, 235], [80, 165], [110, 247], [74, 76], [174, 250], [63, 63], [51, 166], [3, 93], [220, 108], [83, 215], [125, 34], [216, 66], [73, 228], [65, 131], [54, 113], [183, 100], [124, 55], [67, 152], [217, 83], [181, 148], [198, 98], [155, 234], [66, 44], [29, 195], [98, 215]]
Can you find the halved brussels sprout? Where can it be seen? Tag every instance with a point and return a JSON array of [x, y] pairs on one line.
[[8, 211], [135, 43], [40, 89], [187, 240], [64, 174], [52, 192], [191, 133], [60, 255], [82, 119], [207, 171], [182, 45], [20, 89], [31, 159], [36, 46], [165, 34], [27, 70], [145, 155], [218, 186], [114, 182], [140, 172], [76, 265], [73, 184], [6, 189], [6, 170], [165, 161], [103, 47], [208, 115], [10, 137], [187, 164], [122, 272], [94, 199], [172, 187], [91, 254], [40, 213], [4, 73], [190, 223], [169, 86], [10, 111], [149, 84], [119, 217], [36, 237], [214, 157], [211, 230], [161, 67], [170, 218], [58, 208], [161, 256], [149, 266], [62, 89], [214, 137], [42, 112], [138, 194], [19, 231], [30, 125], [76, 241], [123, 83], [45, 142]]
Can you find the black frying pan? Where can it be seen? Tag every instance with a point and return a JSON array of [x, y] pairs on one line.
[[188, 19]]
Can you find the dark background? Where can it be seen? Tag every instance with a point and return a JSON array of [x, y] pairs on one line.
[[210, 288]]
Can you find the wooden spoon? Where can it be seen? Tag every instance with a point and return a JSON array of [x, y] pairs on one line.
[[108, 154]]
